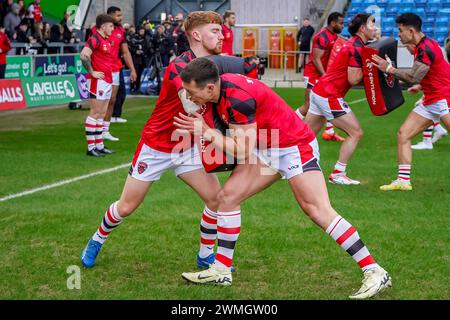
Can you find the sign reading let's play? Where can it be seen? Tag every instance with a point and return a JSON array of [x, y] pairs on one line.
[[50, 90]]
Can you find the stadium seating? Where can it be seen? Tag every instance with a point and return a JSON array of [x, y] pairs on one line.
[[434, 13]]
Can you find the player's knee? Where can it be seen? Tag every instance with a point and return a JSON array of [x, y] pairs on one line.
[[402, 136], [226, 197], [358, 134], [315, 211], [125, 208]]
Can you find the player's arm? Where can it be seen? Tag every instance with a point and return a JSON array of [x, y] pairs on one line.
[[354, 69], [413, 75], [128, 61], [240, 143], [85, 57], [355, 75], [317, 56]]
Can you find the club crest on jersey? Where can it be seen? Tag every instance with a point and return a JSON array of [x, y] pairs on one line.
[[224, 119], [142, 166], [203, 109]]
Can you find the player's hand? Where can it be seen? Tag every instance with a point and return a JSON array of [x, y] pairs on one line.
[[133, 76], [380, 63], [194, 123], [98, 75], [415, 88]]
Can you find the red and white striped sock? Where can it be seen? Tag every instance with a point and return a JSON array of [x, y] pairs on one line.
[[228, 229], [329, 128], [99, 136], [428, 133], [348, 238], [110, 221], [106, 125], [438, 127], [339, 168], [90, 127], [404, 172], [208, 232]]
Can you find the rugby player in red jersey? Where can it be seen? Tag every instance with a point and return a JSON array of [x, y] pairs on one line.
[[97, 59], [269, 141], [432, 72], [327, 96], [229, 20], [316, 67], [118, 46], [159, 147]]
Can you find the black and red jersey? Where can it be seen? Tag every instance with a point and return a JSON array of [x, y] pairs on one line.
[[436, 83], [334, 83], [245, 101], [101, 59], [157, 132], [323, 40]]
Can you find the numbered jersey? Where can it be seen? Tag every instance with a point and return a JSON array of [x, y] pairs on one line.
[[245, 101]]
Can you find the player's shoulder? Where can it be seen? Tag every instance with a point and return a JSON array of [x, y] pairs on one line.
[[356, 42], [185, 57]]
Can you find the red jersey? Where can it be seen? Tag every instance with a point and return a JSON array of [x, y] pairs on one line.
[[436, 83], [116, 39], [5, 46], [227, 46], [35, 12], [101, 57], [157, 132], [324, 40], [334, 83], [245, 101]]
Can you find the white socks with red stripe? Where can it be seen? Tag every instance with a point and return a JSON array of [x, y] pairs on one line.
[[208, 232], [90, 127], [110, 221], [428, 134], [99, 135], [106, 125], [228, 230], [329, 128], [340, 168], [348, 238], [404, 172]]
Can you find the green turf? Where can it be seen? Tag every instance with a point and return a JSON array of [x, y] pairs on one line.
[[280, 254]]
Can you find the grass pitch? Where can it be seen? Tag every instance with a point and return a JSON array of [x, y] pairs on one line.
[[280, 254]]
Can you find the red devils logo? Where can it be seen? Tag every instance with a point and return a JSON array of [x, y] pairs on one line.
[[142, 166], [101, 92], [389, 80]]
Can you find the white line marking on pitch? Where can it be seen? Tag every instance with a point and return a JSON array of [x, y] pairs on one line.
[[63, 182], [357, 101]]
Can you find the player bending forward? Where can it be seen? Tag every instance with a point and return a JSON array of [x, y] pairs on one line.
[[265, 132], [157, 150]]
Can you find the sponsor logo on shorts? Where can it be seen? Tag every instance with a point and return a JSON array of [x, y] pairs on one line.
[[142, 166]]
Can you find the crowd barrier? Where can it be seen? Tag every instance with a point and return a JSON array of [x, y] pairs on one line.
[[44, 80]]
